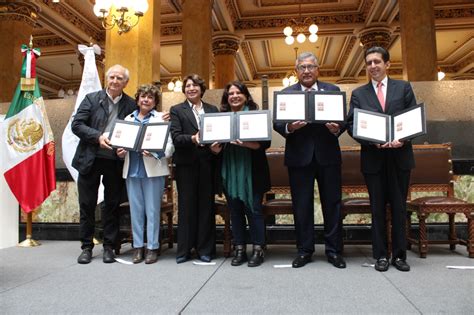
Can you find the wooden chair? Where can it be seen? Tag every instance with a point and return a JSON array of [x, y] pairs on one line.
[[167, 209], [353, 182], [222, 210], [280, 184], [433, 173], [270, 206]]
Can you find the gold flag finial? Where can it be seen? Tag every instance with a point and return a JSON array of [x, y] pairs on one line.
[[31, 41]]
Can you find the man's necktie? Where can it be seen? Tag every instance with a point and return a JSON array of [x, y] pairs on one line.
[[380, 95]]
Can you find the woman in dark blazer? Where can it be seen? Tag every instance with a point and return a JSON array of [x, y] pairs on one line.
[[245, 177], [195, 166]]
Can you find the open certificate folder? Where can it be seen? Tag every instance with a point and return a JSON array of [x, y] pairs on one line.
[[135, 136], [310, 106], [252, 125], [381, 128]]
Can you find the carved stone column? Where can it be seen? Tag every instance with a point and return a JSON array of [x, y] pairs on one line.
[[418, 33], [196, 38], [17, 20], [138, 50], [375, 35], [224, 48]]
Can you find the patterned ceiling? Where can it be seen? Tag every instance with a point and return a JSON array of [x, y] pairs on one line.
[[259, 24]]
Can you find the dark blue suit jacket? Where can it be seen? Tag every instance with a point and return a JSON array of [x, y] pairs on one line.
[[311, 140], [399, 97]]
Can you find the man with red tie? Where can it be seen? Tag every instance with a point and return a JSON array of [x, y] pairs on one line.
[[386, 167], [312, 153]]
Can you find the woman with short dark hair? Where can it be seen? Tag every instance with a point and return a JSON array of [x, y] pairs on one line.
[[145, 174], [195, 166]]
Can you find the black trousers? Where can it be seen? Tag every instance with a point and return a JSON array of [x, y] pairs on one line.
[[196, 214], [389, 185], [302, 180], [88, 186]]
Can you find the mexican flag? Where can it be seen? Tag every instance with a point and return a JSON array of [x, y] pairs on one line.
[[28, 148]]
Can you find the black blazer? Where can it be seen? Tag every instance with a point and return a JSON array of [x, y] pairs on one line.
[[89, 123], [183, 127], [399, 97], [311, 140]]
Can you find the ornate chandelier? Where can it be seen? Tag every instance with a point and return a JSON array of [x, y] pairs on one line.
[[125, 10], [298, 26], [175, 84]]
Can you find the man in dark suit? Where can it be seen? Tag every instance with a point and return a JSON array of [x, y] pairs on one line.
[[312, 152], [94, 158], [386, 167], [195, 170]]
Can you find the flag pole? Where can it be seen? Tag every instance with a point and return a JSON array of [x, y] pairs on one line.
[[29, 242]]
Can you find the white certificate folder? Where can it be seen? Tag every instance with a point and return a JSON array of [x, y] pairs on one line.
[[135, 136], [252, 125], [311, 106], [380, 128]]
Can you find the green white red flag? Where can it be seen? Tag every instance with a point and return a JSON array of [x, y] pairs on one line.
[[28, 144]]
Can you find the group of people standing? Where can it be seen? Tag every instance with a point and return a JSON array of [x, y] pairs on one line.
[[239, 169]]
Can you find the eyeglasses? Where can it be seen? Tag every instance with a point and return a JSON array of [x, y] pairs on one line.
[[303, 68]]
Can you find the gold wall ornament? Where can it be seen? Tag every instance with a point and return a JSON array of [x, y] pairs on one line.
[[24, 134], [125, 10]]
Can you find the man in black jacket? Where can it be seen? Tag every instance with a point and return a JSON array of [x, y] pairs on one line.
[[312, 152], [94, 158], [386, 167]]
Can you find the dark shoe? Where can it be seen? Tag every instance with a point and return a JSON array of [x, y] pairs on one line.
[[182, 259], [138, 255], [85, 257], [109, 256], [257, 256], [381, 264], [205, 258], [240, 255], [337, 261], [401, 264], [301, 260], [151, 256]]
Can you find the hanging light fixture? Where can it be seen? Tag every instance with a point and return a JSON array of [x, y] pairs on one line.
[[298, 26], [291, 77], [125, 10], [175, 84], [70, 91], [441, 74]]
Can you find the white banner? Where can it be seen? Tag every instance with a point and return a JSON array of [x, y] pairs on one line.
[[90, 83]]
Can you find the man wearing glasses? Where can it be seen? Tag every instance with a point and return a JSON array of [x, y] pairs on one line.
[[312, 152]]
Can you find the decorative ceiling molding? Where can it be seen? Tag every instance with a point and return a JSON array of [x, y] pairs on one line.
[[347, 51], [49, 41], [259, 23], [23, 12], [76, 19], [225, 43], [167, 30], [247, 51], [451, 13], [49, 83]]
